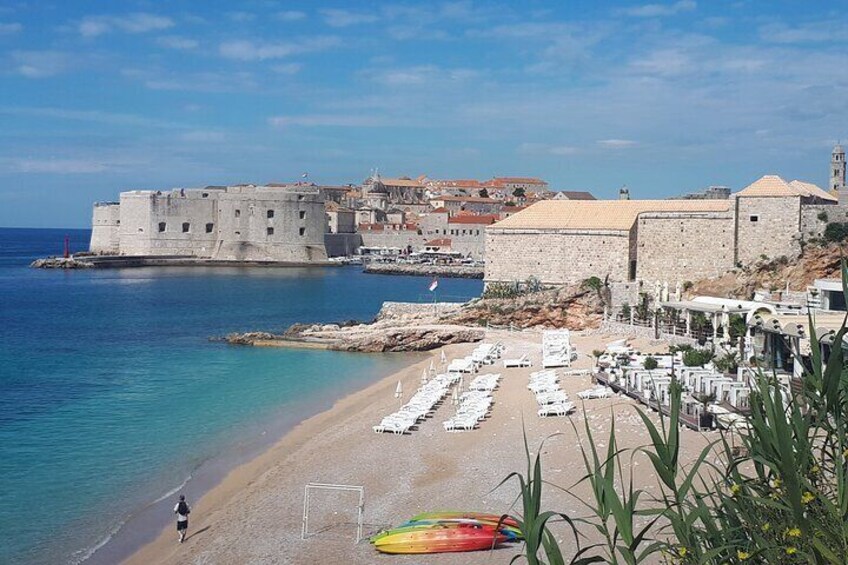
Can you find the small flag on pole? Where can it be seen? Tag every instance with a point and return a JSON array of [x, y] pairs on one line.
[[304, 175], [434, 285]]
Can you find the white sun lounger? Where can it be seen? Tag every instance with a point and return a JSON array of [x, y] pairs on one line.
[[523, 361], [557, 409]]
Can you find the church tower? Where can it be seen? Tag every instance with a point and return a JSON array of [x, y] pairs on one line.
[[837, 168]]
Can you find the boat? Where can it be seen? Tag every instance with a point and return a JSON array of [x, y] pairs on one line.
[[479, 516], [442, 537]]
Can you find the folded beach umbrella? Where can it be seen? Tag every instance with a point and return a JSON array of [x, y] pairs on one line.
[[399, 390], [444, 358], [432, 367], [424, 377]]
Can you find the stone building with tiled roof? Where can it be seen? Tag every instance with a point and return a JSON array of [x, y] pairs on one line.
[[565, 241]]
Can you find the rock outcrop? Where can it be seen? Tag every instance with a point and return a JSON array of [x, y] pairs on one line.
[[61, 263]]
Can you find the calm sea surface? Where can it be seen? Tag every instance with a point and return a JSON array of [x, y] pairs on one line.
[[112, 397]]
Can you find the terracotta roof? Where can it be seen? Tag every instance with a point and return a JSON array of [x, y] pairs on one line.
[[440, 210], [769, 185], [812, 190], [600, 214], [499, 181], [402, 182], [441, 242], [484, 219]]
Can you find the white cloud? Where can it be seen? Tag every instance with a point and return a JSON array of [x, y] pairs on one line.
[[422, 75], [95, 116], [10, 28], [203, 136], [176, 42], [664, 62], [246, 50], [345, 18], [290, 16], [40, 64], [287, 68], [616, 143], [330, 120], [814, 32], [57, 166], [139, 22], [659, 10]]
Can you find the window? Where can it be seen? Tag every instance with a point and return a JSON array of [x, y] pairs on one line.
[[209, 228], [270, 213], [755, 218], [302, 214], [238, 233], [205, 195], [162, 226], [186, 227], [300, 197], [269, 231], [302, 231], [238, 213]]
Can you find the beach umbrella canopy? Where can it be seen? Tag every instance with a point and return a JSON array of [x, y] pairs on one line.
[[399, 390]]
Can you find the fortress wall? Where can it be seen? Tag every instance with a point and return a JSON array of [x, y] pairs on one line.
[[767, 226], [136, 225], [105, 226], [298, 223], [683, 247], [556, 256], [813, 226]]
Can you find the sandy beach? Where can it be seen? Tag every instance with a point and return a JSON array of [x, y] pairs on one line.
[[254, 514]]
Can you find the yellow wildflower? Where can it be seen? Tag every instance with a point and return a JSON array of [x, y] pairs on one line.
[[766, 527], [791, 551], [807, 497], [793, 533], [815, 469], [682, 551], [845, 453], [742, 555], [776, 483], [734, 488]]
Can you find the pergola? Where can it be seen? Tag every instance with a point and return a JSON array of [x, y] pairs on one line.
[[718, 310]]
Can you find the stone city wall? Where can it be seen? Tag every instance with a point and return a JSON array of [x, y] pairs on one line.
[[684, 246], [342, 244], [767, 226], [105, 226], [815, 217], [556, 256], [393, 238]]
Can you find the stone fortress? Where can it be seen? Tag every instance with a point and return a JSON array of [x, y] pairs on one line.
[[278, 223], [676, 240]]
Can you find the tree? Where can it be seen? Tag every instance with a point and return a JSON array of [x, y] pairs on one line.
[[518, 192], [650, 363], [483, 193]]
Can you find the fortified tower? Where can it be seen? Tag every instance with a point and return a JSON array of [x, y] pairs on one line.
[[837, 174]]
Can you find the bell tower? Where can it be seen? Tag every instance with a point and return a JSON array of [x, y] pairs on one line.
[[837, 168]]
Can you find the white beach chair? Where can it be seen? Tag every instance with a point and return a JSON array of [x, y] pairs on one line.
[[523, 361]]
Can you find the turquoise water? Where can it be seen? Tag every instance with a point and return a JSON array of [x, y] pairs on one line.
[[113, 396]]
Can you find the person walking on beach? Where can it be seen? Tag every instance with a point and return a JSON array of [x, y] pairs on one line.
[[182, 511]]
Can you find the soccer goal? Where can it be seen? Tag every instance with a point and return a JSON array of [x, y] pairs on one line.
[[360, 507]]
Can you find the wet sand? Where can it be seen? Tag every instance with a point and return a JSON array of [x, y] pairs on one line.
[[255, 514]]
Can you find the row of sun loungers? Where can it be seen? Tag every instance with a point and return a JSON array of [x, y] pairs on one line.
[[473, 408], [485, 383], [422, 404], [523, 361], [551, 399], [599, 391]]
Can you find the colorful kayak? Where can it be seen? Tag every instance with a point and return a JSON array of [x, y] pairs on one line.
[[512, 531], [479, 516], [439, 538]]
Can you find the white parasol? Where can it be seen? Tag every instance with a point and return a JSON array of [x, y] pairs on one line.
[[424, 377], [444, 358]]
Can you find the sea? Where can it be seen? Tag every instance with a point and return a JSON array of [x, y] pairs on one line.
[[113, 398]]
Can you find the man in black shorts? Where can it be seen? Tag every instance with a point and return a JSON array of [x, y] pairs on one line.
[[182, 511]]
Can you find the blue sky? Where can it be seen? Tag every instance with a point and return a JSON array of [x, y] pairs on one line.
[[666, 97]]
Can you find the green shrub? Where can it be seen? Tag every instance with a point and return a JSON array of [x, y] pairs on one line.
[[836, 232], [650, 363], [822, 216], [697, 357]]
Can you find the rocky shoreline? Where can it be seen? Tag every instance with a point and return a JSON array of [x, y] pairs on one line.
[[446, 271], [61, 263], [398, 327]]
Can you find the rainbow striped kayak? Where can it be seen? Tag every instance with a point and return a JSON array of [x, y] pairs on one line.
[[439, 538], [479, 517]]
